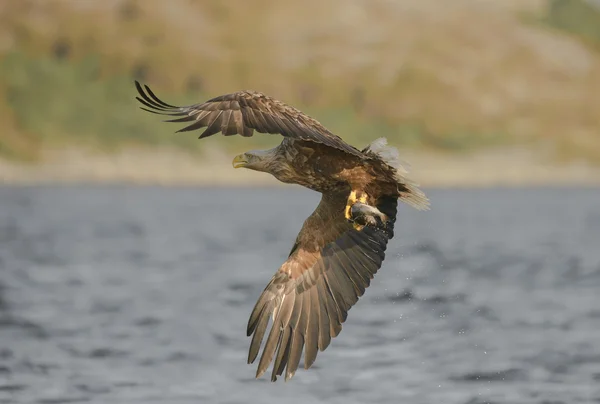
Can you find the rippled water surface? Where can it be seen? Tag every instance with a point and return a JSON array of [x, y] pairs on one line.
[[142, 295]]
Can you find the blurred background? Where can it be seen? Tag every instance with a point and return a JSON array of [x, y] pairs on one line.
[[461, 87], [132, 257]]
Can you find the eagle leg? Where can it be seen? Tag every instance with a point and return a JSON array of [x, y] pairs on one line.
[[355, 196], [361, 214]]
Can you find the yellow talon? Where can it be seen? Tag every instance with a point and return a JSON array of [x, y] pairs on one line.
[[352, 199], [357, 226]]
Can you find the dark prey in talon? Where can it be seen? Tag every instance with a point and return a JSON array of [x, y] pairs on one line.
[[341, 245], [364, 215]]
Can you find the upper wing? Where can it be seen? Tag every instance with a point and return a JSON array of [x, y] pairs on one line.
[[242, 113], [308, 298]]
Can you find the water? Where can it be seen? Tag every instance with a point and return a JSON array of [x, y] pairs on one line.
[[141, 295]]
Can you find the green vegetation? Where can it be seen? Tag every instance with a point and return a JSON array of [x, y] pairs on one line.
[[575, 16], [65, 103], [68, 79]]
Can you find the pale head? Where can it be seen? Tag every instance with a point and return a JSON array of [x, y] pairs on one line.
[[258, 160]]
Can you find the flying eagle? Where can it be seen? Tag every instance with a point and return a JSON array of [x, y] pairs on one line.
[[341, 244]]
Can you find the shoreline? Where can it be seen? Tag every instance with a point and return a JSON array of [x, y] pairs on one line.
[[171, 167]]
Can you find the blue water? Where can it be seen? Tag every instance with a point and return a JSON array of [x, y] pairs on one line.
[[142, 295]]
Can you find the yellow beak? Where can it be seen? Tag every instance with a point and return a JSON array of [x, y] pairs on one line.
[[239, 161]]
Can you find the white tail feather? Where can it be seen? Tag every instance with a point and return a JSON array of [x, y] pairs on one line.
[[390, 155]]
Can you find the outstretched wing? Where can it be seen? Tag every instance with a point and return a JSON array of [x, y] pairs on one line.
[[308, 298], [242, 113]]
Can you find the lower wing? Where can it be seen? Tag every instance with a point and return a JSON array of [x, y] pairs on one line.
[[309, 297]]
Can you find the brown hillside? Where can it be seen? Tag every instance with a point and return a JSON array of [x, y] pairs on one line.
[[457, 70]]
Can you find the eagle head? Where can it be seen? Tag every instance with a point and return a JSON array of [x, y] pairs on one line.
[[258, 160]]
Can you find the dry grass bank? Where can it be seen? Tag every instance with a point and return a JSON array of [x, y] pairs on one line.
[[505, 167], [428, 74]]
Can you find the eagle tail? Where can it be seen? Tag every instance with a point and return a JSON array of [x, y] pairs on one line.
[[410, 192]]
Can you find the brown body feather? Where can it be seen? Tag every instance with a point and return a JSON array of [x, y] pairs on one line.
[[323, 169], [332, 262]]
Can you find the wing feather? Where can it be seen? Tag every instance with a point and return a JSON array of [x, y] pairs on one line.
[[346, 265], [333, 311], [283, 353], [297, 343], [324, 328], [282, 322], [251, 111], [227, 124], [310, 295], [258, 336], [312, 329], [282, 317], [155, 98]]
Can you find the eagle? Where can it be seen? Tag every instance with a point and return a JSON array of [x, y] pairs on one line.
[[341, 245]]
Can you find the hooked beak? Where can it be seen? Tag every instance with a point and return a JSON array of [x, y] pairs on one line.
[[239, 161]]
